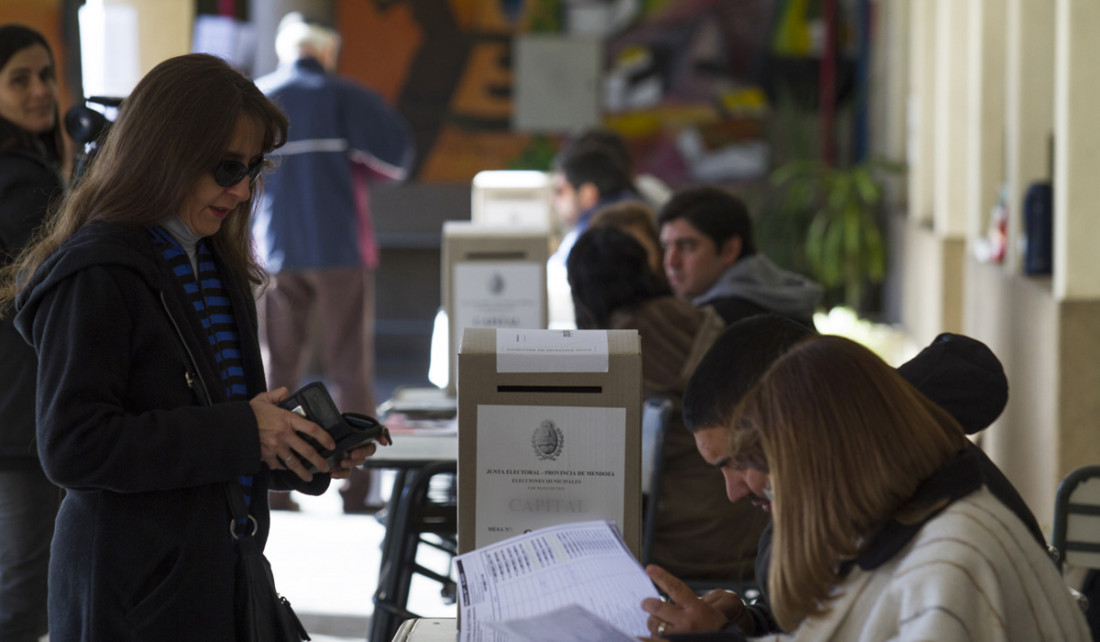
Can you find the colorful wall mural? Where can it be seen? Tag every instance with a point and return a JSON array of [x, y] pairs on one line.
[[682, 80]]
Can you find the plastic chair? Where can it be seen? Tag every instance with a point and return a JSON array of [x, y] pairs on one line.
[[655, 415], [423, 509], [1076, 537]]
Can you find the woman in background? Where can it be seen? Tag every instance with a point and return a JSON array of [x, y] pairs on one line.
[[637, 219], [31, 166], [699, 532], [152, 404], [883, 527]]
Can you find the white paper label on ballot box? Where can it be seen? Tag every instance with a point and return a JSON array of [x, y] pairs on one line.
[[552, 351], [544, 465], [497, 295]]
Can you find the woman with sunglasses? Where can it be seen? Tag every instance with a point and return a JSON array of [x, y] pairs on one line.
[[31, 175], [152, 403]]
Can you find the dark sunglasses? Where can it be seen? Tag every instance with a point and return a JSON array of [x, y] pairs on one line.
[[228, 173]]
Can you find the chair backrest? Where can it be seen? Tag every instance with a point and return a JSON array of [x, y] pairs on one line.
[[656, 412], [1076, 535]]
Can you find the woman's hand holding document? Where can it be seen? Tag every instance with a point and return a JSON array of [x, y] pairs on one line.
[[567, 583]]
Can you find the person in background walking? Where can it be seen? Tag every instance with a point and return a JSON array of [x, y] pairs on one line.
[[314, 230]]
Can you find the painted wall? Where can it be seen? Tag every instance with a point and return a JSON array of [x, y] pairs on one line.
[[1045, 329]]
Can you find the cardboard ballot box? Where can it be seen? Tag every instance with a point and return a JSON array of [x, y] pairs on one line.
[[512, 198], [549, 432], [492, 277]]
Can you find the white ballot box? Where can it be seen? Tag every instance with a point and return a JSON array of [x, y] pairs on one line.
[[492, 277], [549, 432], [512, 198]]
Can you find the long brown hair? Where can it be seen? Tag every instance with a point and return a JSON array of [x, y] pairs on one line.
[[173, 128], [846, 442]]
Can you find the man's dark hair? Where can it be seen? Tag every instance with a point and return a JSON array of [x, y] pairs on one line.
[[609, 140], [733, 365], [959, 373], [715, 212], [608, 271], [594, 162]]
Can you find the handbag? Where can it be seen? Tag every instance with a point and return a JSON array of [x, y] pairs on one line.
[[261, 614]]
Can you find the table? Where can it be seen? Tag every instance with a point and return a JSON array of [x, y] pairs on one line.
[[414, 449], [427, 630], [416, 456]]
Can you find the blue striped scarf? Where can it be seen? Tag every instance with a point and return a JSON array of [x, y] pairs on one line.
[[210, 301]]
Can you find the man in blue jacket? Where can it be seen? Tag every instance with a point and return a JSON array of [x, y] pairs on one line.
[[314, 230]]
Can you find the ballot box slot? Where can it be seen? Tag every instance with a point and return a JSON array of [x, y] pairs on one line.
[[497, 256], [594, 390]]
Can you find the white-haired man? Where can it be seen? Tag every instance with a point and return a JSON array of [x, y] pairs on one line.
[[314, 229]]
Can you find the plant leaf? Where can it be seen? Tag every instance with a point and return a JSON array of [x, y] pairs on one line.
[[869, 189], [832, 256]]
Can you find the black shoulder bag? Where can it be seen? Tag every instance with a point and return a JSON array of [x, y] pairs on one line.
[[261, 614]]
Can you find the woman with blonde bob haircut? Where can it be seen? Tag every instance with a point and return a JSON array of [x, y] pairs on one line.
[[883, 529]]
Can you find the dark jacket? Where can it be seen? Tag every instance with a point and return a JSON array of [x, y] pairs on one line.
[[754, 285], [28, 183], [315, 210], [142, 549]]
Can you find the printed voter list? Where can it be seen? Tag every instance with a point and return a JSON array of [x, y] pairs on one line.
[[567, 582]]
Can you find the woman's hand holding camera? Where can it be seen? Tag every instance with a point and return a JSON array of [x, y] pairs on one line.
[[280, 444]]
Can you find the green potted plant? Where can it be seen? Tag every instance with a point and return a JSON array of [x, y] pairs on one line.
[[833, 213]]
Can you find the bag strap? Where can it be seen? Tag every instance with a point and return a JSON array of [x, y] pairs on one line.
[[241, 517]]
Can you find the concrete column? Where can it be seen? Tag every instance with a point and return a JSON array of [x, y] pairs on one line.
[[921, 114], [121, 40], [984, 118], [1077, 151], [1029, 107], [890, 91], [951, 104]]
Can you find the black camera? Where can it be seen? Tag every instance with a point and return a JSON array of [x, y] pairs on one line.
[[350, 429], [87, 127]]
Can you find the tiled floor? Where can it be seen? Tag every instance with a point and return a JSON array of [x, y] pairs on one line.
[[326, 564]]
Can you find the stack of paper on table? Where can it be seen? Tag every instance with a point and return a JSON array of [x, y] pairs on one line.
[[571, 582], [415, 409]]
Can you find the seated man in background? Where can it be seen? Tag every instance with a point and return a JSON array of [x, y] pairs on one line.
[[698, 532], [652, 190], [587, 175], [710, 258], [958, 373]]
